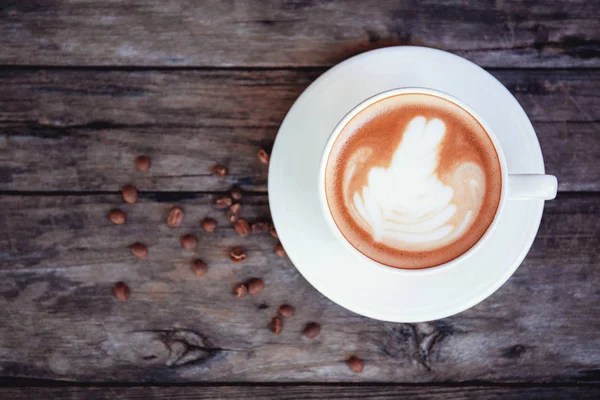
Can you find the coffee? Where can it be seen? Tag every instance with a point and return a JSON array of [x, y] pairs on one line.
[[413, 181]]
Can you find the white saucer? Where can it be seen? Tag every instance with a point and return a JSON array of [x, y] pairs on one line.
[[385, 293]]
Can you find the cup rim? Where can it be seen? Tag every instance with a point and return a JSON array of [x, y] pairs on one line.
[[366, 103]]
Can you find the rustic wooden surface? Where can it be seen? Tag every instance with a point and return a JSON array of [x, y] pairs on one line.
[[312, 392], [64, 256], [86, 86], [295, 33], [80, 130]]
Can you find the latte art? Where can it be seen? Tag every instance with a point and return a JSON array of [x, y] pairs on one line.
[[413, 181], [406, 205]]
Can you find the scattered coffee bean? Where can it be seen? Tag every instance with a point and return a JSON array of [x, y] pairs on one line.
[[263, 156], [139, 250], [129, 193], [280, 251], [287, 311], [117, 217], [121, 291], [355, 364], [242, 227], [199, 267], [238, 254], [209, 225], [255, 286], [142, 163], [236, 193], [223, 201], [259, 227], [274, 232], [240, 290], [175, 217], [276, 325], [234, 212], [189, 241], [312, 330], [219, 170]]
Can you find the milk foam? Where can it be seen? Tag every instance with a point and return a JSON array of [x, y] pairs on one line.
[[413, 181], [407, 206]]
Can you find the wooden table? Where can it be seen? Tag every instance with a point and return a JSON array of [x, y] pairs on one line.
[[88, 85]]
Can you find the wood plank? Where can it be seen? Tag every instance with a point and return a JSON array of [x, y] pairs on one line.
[[81, 130], [572, 153], [316, 392], [60, 256], [506, 33]]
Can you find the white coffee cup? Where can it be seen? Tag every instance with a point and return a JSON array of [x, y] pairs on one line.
[[514, 186]]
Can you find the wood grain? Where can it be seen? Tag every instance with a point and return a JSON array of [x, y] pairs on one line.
[[80, 130], [60, 256], [295, 32], [315, 392]]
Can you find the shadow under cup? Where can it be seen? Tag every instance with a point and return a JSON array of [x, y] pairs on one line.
[[412, 179]]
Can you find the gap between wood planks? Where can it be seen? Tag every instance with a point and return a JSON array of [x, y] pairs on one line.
[[34, 67], [162, 195], [179, 195], [27, 382]]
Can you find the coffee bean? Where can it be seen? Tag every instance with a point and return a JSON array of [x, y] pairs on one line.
[[219, 170], [259, 227], [175, 217], [139, 250], [129, 193], [142, 163], [209, 225], [279, 250], [117, 217], [236, 193], [240, 290], [287, 311], [189, 241], [242, 227], [223, 201], [263, 156], [355, 364], [274, 232], [238, 254], [276, 325], [312, 330], [199, 267], [234, 212], [121, 291], [255, 286]]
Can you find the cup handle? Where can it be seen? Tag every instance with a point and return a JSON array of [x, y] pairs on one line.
[[532, 186]]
